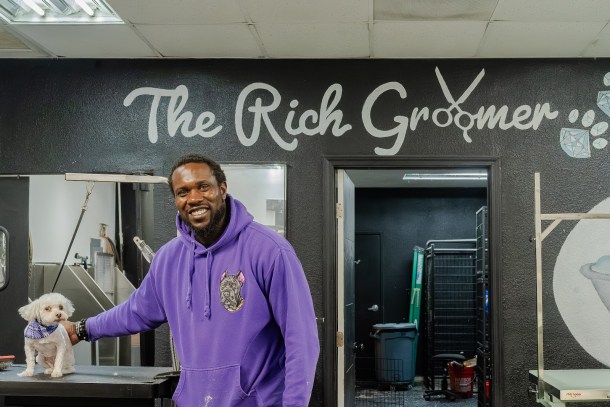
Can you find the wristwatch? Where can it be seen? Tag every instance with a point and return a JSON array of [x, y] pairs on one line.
[[80, 329]]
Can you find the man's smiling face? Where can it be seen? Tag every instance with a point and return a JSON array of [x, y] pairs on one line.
[[200, 200]]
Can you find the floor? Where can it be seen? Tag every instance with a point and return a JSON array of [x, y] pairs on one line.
[[401, 397]]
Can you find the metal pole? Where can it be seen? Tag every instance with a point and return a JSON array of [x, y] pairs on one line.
[[80, 218], [539, 315]]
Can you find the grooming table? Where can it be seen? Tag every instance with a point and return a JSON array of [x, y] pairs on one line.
[[93, 386], [570, 386]]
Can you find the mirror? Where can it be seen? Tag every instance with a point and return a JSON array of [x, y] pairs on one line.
[[262, 189], [81, 241], [3, 257], [55, 205]]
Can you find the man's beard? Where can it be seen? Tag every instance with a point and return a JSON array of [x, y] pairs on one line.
[[215, 225]]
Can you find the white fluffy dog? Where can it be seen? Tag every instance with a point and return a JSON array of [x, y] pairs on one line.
[[45, 335]]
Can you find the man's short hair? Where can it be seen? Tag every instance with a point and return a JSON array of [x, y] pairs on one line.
[[219, 174]]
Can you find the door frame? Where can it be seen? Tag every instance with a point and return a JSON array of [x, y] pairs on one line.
[[329, 253]]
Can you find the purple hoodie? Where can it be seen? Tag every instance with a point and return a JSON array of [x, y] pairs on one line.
[[240, 312]]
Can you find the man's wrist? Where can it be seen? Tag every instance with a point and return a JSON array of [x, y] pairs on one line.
[[80, 329]]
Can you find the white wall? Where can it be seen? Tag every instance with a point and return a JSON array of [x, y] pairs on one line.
[[55, 206], [254, 184]]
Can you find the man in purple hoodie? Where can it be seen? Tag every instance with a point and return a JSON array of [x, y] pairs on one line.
[[235, 296]]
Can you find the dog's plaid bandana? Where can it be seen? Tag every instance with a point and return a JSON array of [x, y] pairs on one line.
[[36, 330]]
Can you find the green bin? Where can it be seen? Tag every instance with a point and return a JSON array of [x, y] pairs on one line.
[[394, 352]]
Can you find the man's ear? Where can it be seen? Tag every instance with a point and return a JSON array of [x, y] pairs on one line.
[[223, 189]]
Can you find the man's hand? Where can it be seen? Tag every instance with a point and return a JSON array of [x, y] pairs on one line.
[[71, 328]]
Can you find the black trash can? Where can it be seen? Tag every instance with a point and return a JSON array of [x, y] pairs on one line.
[[394, 352]]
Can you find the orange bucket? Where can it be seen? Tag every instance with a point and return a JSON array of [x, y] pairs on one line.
[[461, 379]]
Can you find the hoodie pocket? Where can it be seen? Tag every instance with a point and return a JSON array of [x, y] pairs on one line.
[[219, 387]]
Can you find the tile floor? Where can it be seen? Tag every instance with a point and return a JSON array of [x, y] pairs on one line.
[[414, 397]]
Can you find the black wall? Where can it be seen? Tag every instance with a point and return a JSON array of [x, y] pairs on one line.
[[61, 116], [407, 218]]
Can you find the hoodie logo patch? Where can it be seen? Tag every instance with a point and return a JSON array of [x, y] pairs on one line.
[[230, 291]]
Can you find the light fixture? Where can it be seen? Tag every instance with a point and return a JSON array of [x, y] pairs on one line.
[[57, 12], [86, 8], [130, 178], [445, 176], [35, 7]]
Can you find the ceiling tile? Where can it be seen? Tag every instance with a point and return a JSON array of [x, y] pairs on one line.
[[419, 178], [87, 41], [433, 9], [326, 29], [202, 41], [178, 11], [317, 11], [537, 39], [427, 39], [601, 46], [349, 40], [552, 10]]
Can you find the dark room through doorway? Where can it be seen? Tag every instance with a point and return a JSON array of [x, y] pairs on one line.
[[400, 214]]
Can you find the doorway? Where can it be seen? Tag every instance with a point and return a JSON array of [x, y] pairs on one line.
[[390, 291]]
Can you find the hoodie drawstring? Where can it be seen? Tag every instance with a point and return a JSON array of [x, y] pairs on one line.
[[207, 289], [191, 264]]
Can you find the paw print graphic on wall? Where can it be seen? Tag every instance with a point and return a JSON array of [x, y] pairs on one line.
[[576, 141], [603, 97]]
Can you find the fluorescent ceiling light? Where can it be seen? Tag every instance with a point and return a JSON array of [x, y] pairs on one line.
[[441, 178], [83, 4], [437, 176], [57, 12], [140, 179], [35, 7]]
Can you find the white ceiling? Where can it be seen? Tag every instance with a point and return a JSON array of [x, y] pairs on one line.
[[419, 178], [326, 29]]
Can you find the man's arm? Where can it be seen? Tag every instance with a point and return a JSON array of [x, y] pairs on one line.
[[293, 310], [142, 311]]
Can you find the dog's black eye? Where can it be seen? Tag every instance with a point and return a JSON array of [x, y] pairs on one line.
[[61, 307], [47, 308]]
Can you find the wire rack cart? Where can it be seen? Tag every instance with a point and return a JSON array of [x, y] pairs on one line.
[[451, 309]]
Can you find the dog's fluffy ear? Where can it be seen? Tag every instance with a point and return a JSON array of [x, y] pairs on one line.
[[69, 308], [29, 312]]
